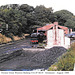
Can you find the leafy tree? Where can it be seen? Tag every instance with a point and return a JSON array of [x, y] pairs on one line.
[[70, 24], [62, 16], [43, 14], [26, 8], [23, 18]]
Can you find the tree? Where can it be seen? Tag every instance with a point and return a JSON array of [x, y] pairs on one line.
[[23, 18], [15, 20], [43, 14], [70, 24], [26, 8], [62, 16]]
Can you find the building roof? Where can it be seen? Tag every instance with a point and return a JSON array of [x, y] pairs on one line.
[[47, 27]]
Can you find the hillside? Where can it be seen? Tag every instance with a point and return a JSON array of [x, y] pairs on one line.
[[4, 39]]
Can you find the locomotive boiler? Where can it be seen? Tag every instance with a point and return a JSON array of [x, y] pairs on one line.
[[37, 37]]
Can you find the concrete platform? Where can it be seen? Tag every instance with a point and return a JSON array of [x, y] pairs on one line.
[[33, 49]]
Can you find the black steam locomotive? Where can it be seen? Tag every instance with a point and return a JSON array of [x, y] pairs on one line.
[[37, 37]]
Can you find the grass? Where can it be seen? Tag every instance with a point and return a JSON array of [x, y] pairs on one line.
[[4, 39], [66, 61]]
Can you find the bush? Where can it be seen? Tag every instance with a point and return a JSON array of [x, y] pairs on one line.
[[66, 61], [66, 64], [53, 68], [10, 35]]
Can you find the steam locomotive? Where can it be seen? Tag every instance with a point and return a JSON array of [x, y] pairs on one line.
[[37, 37]]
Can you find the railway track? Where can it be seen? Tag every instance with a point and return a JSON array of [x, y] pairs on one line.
[[18, 45]]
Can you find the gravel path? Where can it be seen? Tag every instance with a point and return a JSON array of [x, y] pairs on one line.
[[33, 59]]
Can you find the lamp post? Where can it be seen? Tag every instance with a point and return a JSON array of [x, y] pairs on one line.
[[0, 28], [6, 26]]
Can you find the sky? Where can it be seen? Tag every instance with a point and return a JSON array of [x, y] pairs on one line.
[[55, 4]]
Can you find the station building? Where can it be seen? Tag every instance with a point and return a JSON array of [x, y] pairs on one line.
[[55, 35]]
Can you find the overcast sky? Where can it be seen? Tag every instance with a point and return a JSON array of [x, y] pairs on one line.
[[55, 4]]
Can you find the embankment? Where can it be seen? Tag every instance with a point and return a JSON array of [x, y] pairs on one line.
[[4, 39]]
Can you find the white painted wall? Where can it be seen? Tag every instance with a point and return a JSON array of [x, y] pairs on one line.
[[50, 38], [61, 39], [67, 42]]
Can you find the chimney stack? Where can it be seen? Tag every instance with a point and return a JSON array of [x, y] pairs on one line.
[[70, 30], [55, 23]]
